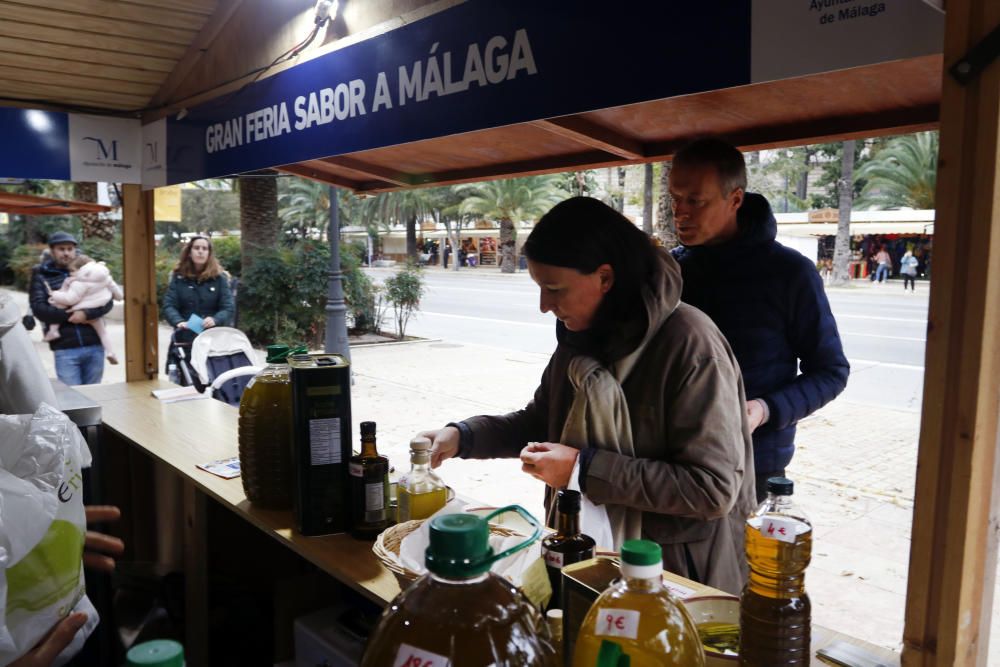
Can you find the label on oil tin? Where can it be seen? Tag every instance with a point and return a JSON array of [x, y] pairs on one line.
[[324, 441]]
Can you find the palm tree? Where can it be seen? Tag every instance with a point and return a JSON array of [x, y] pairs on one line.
[[304, 205], [399, 207], [508, 201], [903, 174], [259, 221], [842, 246]]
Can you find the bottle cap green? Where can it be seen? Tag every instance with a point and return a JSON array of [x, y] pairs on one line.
[[641, 552], [156, 653]]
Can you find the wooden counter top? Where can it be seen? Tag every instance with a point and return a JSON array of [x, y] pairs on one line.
[[187, 433]]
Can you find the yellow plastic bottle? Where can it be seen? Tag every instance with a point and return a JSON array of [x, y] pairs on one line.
[[420, 493], [775, 612], [638, 617], [461, 614]]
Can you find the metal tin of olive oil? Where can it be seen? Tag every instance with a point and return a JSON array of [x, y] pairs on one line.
[[582, 584], [321, 411]]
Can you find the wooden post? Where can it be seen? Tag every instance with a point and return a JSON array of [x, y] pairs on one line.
[[141, 312], [952, 559]]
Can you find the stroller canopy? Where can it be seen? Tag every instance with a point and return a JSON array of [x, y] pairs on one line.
[[218, 343]]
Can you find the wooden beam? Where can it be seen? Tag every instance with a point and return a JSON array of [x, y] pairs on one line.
[[313, 173], [593, 135], [196, 50], [954, 539], [374, 171], [141, 312]]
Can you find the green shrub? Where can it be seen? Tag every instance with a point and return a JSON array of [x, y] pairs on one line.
[[227, 251], [403, 291], [166, 260], [6, 251], [282, 295], [364, 299], [23, 260]]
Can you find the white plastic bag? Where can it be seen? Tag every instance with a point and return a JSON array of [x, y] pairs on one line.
[[594, 519], [42, 529]]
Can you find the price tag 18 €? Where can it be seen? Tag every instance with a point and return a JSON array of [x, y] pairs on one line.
[[778, 529], [617, 623], [411, 656]]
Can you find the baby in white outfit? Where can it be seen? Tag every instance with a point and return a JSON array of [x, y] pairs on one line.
[[89, 285]]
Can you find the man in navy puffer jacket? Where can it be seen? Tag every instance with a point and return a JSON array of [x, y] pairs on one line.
[[767, 300]]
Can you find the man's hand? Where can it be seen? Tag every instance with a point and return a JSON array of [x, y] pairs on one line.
[[182, 325], [444, 444], [550, 462], [209, 322], [77, 317], [97, 546], [756, 413], [47, 650]]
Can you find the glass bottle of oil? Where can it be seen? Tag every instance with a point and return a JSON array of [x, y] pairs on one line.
[[639, 618], [369, 487], [461, 614], [265, 434], [568, 545], [775, 612], [420, 493]]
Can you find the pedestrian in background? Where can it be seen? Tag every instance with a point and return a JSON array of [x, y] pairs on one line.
[[884, 262], [78, 351], [198, 286], [908, 269], [767, 299]]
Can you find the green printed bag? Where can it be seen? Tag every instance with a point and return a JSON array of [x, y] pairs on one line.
[[42, 528]]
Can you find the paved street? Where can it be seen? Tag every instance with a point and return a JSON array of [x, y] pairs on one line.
[[883, 328]]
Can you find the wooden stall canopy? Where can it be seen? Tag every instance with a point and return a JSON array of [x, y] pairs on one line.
[[19, 204]]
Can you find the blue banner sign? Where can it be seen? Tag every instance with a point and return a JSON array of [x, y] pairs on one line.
[[477, 65], [35, 144]]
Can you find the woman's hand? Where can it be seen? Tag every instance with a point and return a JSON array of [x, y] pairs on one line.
[[444, 444], [99, 549], [550, 462], [208, 322]]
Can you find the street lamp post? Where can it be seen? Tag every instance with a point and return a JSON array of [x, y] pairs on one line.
[[336, 321]]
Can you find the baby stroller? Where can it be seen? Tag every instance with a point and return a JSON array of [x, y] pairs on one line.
[[219, 362]]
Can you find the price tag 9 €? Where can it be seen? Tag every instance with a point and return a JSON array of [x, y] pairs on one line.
[[778, 529], [411, 656], [617, 623]]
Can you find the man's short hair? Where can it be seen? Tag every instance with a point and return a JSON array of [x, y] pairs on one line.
[[724, 157]]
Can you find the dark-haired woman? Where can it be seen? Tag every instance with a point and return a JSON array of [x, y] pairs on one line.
[[641, 404], [198, 286]]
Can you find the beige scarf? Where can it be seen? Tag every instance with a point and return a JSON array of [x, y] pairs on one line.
[[599, 417]]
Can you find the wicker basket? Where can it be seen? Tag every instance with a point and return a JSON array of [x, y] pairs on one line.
[[386, 548]]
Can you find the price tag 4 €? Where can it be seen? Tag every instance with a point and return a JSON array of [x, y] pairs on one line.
[[778, 529], [411, 656], [617, 623]]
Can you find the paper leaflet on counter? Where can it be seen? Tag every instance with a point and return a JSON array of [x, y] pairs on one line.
[[224, 468]]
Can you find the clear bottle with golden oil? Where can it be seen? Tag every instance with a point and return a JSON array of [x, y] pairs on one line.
[[775, 612], [639, 618], [265, 434], [420, 493]]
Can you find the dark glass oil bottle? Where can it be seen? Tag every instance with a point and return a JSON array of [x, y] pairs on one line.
[[369, 487], [568, 545]]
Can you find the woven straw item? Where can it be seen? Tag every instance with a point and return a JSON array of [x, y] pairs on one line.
[[386, 548]]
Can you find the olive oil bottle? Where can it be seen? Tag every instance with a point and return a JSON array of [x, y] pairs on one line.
[[568, 545], [420, 492], [775, 612], [265, 434], [639, 618], [369, 487]]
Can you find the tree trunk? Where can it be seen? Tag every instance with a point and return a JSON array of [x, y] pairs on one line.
[[647, 198], [618, 199], [802, 187], [842, 248], [411, 239], [665, 229], [508, 261], [259, 223], [92, 224]]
